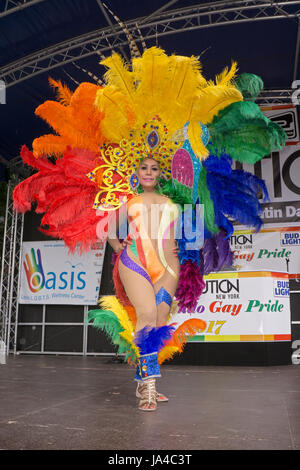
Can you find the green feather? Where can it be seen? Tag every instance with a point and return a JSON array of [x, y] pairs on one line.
[[179, 193], [107, 321], [249, 85], [242, 131], [205, 199]]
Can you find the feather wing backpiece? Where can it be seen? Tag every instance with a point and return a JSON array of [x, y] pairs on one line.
[[158, 105]]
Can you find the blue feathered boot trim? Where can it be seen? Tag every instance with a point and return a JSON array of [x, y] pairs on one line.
[[150, 341], [147, 367]]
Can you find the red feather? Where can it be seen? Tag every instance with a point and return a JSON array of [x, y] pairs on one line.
[[38, 163], [26, 192], [65, 195], [69, 207]]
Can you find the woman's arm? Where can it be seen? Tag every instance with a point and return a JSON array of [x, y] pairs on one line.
[[115, 244], [112, 238]]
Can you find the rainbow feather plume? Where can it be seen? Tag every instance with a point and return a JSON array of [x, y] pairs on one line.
[[180, 337], [114, 320]]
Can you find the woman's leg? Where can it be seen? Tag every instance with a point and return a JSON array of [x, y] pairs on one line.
[[140, 292], [165, 289], [139, 289]]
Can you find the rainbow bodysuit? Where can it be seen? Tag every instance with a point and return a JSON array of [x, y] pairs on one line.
[[149, 248]]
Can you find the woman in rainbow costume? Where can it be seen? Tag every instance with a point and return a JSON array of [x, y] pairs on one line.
[[156, 134]]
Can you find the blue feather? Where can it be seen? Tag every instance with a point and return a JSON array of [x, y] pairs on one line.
[[187, 233], [234, 193], [150, 339]]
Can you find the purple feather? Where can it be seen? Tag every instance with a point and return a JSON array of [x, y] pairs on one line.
[[217, 252], [210, 255], [224, 252], [190, 287]]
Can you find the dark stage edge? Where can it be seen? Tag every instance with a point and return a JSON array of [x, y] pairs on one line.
[[88, 403], [235, 354]]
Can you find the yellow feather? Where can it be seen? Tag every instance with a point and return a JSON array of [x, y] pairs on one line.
[[173, 311], [194, 134], [185, 77], [212, 99], [119, 75], [171, 86], [151, 75], [118, 117], [226, 77], [110, 302], [185, 80], [167, 353]]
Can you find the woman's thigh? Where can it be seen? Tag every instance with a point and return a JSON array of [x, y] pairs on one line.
[[139, 290], [169, 284]]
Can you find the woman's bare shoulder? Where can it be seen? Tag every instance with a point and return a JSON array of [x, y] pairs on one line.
[[164, 198], [135, 198]]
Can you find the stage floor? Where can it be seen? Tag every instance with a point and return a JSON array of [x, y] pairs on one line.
[[88, 403]]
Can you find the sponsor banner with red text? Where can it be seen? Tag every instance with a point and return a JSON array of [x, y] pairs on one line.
[[251, 302], [243, 306], [50, 275], [271, 249]]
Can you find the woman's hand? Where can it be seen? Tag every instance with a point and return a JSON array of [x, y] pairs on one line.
[[125, 242], [123, 245]]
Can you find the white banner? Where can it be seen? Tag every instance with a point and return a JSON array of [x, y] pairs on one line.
[[244, 306], [272, 249], [50, 275]]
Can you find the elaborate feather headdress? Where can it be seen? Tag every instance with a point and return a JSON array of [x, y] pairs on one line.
[[150, 107]]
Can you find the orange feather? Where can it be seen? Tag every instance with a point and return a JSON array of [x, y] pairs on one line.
[[180, 337], [49, 145], [186, 330], [64, 94], [131, 314]]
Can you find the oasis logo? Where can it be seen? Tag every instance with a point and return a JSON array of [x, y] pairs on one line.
[[34, 271], [37, 279], [223, 286]]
